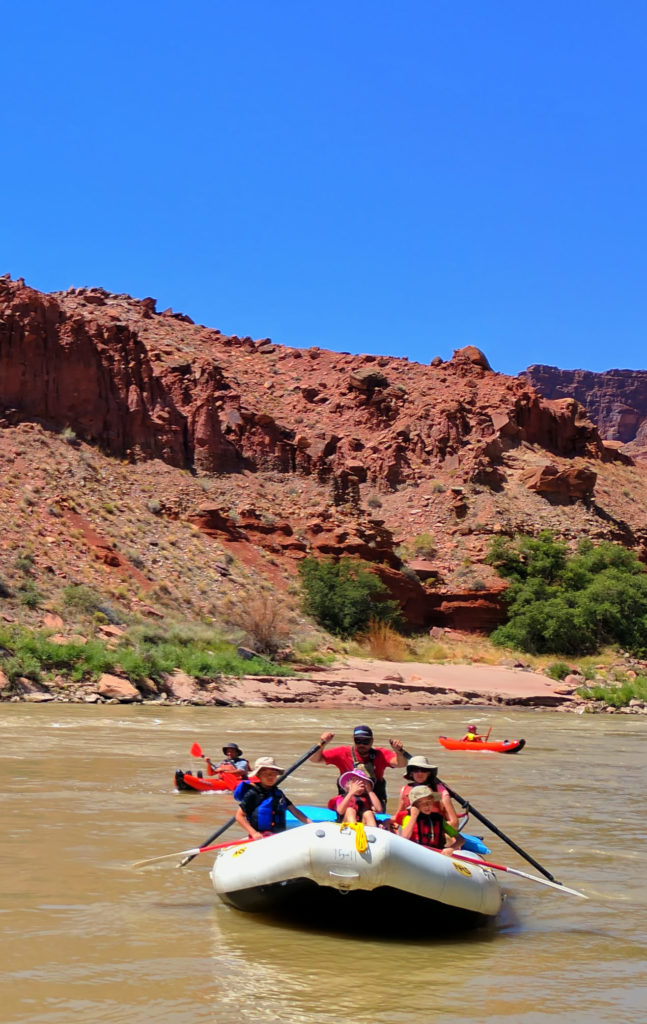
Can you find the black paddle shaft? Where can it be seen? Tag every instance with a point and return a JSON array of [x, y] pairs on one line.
[[497, 831], [230, 822], [489, 824]]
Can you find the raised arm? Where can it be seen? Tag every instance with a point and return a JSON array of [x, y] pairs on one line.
[[398, 760], [318, 757]]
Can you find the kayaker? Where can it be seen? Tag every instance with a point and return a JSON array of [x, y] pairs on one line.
[[233, 762], [426, 819], [473, 736], [362, 754], [420, 772], [262, 808], [359, 802]]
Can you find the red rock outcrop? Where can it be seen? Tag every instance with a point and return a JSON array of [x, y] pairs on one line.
[[143, 384], [436, 443], [616, 400], [567, 485]]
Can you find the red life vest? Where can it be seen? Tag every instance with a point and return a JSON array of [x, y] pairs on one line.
[[428, 831]]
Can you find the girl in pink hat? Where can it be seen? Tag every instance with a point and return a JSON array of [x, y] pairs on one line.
[[359, 802]]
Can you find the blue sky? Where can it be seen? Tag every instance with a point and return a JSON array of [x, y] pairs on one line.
[[401, 178]]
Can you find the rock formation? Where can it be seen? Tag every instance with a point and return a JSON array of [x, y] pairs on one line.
[[616, 400], [299, 447]]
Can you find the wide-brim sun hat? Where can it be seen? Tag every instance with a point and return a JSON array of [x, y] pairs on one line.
[[419, 761], [356, 773], [420, 792], [232, 746], [266, 762]]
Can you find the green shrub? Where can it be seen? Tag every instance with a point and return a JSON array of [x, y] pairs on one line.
[[618, 695], [570, 604], [420, 546], [29, 594], [82, 599], [558, 670], [24, 563], [344, 596]]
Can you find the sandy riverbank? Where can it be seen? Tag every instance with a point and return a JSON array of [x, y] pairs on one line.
[[356, 681]]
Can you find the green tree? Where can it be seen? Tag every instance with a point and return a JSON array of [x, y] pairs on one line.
[[343, 596], [570, 604]]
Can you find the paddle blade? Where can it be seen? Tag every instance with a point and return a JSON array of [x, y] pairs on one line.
[[166, 856], [196, 750]]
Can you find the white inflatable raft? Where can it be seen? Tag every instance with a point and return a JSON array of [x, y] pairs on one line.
[[319, 872]]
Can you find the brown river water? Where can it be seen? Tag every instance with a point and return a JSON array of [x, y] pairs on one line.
[[86, 939]]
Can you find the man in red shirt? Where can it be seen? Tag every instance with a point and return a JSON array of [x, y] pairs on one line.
[[373, 760]]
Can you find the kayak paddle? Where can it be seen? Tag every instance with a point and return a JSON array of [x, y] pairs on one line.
[[522, 874], [230, 822]]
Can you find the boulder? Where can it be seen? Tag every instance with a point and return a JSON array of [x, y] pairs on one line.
[[116, 688], [565, 485]]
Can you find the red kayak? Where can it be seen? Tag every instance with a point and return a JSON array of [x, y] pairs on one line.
[[223, 781], [498, 746]]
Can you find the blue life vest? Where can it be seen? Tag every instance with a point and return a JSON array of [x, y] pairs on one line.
[[269, 814]]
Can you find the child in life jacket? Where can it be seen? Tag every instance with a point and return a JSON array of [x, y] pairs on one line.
[[425, 822], [262, 808], [359, 802], [421, 773]]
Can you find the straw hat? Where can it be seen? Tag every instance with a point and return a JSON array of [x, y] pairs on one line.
[[420, 792], [266, 762]]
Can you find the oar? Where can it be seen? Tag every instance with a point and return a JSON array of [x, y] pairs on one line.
[[195, 851], [488, 824], [497, 831], [230, 822], [522, 874]]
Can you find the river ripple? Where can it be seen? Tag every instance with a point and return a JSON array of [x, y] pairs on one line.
[[87, 791]]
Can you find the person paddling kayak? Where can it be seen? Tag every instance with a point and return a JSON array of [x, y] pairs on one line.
[[362, 754], [473, 736]]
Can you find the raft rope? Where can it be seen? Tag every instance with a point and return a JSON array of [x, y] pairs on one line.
[[357, 827]]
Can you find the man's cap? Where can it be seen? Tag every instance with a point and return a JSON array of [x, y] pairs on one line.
[[362, 732]]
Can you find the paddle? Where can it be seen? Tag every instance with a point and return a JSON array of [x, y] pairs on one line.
[[196, 751], [522, 874], [230, 822], [488, 824], [497, 831], [196, 850]]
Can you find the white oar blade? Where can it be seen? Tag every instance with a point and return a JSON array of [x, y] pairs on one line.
[[166, 856], [545, 881]]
